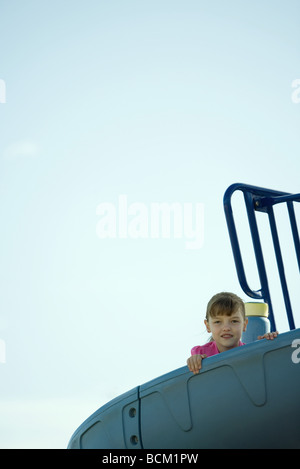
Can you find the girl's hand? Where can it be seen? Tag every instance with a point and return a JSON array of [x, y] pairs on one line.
[[194, 363], [268, 336]]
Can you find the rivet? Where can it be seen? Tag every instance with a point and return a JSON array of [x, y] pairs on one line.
[[134, 440]]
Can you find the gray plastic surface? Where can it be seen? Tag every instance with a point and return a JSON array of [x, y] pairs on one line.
[[247, 397], [115, 425]]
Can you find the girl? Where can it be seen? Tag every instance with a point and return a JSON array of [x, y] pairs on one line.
[[226, 321]]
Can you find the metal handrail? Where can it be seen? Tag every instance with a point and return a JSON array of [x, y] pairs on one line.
[[263, 200]]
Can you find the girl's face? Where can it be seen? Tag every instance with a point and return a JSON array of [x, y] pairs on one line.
[[226, 330]]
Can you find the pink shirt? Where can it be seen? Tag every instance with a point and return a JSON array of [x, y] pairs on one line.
[[208, 349]]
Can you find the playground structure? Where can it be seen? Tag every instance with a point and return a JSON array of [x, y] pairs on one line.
[[247, 397]]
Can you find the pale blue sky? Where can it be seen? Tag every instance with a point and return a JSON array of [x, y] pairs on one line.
[[163, 101]]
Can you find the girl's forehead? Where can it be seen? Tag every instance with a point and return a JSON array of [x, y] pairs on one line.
[[233, 314]]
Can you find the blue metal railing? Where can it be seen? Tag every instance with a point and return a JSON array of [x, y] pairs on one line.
[[263, 200]]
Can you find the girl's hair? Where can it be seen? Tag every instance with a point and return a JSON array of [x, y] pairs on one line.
[[224, 303]]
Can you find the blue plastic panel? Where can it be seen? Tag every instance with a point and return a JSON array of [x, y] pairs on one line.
[[247, 397], [115, 425]]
